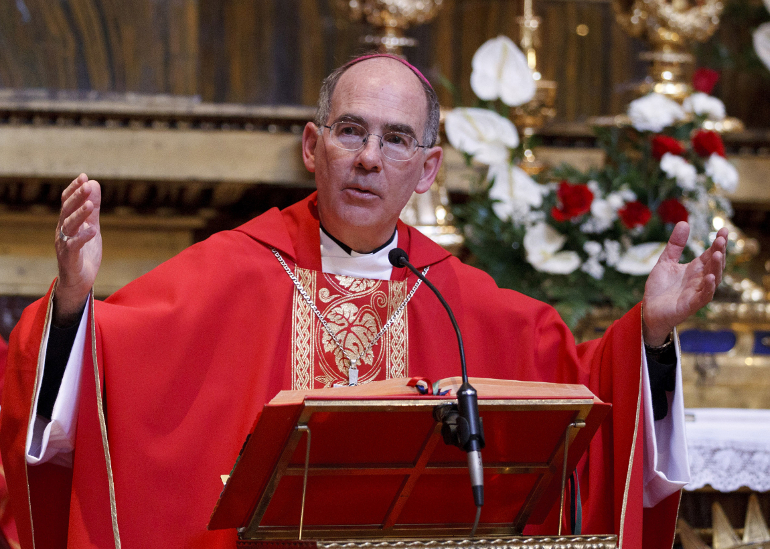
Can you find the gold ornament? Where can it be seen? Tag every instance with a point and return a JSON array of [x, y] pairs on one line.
[[391, 18], [755, 532], [669, 26], [431, 214], [534, 114]]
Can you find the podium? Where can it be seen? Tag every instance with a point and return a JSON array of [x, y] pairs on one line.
[[356, 466]]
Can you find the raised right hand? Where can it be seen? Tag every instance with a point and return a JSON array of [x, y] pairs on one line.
[[79, 254]]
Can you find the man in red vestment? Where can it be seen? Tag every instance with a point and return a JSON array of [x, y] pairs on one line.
[[176, 366]]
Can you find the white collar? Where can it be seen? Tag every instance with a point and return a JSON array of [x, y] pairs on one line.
[[335, 260]]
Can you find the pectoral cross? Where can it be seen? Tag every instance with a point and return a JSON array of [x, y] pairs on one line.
[[353, 374]]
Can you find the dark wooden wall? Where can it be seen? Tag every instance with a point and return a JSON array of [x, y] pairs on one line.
[[277, 51], [103, 45]]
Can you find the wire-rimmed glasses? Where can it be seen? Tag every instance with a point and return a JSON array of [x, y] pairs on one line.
[[394, 145]]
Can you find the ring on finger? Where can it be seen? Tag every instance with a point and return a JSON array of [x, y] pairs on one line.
[[63, 237]]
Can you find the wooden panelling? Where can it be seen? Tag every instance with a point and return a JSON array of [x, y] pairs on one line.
[[278, 51], [133, 245], [101, 45], [149, 154], [312, 71]]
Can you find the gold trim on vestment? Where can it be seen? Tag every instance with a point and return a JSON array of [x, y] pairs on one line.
[[633, 449], [355, 310], [302, 330], [48, 315], [398, 342], [103, 427], [676, 521]]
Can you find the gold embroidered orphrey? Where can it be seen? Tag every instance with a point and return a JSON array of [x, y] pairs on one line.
[[355, 309]]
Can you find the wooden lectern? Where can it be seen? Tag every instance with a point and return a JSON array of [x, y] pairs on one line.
[[366, 466]]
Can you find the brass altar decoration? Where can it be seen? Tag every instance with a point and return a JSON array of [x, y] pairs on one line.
[[528, 542], [390, 18], [669, 27], [755, 532], [534, 114], [431, 214]]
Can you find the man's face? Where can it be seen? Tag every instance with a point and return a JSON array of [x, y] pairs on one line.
[[361, 193]]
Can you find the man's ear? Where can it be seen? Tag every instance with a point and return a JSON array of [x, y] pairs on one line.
[[430, 167], [309, 142]]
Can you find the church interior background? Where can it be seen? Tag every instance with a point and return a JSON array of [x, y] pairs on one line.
[[190, 113]]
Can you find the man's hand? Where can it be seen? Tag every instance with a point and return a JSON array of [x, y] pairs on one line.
[[673, 291], [78, 248]]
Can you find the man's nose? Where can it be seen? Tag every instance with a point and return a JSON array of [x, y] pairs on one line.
[[370, 156]]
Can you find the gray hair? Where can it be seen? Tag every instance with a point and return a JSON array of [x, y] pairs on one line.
[[430, 133]]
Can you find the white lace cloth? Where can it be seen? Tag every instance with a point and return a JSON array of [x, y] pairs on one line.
[[729, 449]]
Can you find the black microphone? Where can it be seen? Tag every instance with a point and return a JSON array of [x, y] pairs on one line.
[[468, 433]]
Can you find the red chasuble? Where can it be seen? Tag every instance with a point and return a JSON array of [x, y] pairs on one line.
[[7, 525], [185, 357]]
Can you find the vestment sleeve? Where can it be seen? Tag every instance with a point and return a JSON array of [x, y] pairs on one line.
[[666, 463], [53, 441]]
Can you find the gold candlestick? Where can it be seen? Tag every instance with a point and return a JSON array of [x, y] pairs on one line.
[[532, 115]]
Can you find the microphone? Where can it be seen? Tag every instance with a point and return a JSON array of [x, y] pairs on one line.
[[467, 430]]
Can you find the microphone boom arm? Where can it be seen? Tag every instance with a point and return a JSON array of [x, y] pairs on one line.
[[451, 317], [467, 429]]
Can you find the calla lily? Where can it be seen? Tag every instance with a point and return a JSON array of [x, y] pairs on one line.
[[761, 38], [501, 70], [542, 243], [516, 191], [640, 259], [482, 133]]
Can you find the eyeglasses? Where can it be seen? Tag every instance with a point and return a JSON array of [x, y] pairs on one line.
[[394, 145]]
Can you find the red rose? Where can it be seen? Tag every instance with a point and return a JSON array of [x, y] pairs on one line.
[[634, 214], [574, 200], [707, 143], [704, 80], [672, 211], [662, 144]]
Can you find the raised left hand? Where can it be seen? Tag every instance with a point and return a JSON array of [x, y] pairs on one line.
[[675, 291]]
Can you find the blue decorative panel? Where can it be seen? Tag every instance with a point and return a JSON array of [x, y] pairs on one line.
[[762, 343], [706, 341]]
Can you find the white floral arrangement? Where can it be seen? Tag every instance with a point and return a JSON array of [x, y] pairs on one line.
[[585, 239]]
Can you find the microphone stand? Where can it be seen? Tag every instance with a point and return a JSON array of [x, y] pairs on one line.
[[461, 424]]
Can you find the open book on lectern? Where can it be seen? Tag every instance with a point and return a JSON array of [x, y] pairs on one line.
[[378, 466]]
